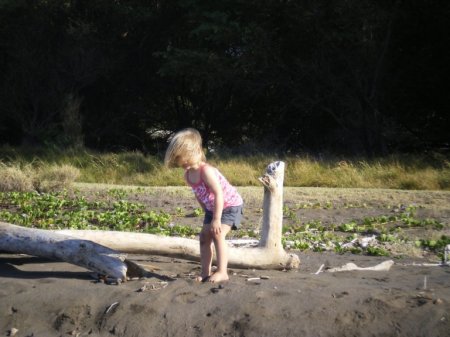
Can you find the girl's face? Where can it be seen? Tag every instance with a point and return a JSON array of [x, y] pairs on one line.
[[188, 162], [183, 162], [188, 166]]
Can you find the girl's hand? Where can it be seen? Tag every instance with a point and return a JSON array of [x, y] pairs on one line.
[[216, 227]]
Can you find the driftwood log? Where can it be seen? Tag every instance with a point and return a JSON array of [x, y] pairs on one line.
[[94, 249], [269, 254], [383, 266], [57, 246]]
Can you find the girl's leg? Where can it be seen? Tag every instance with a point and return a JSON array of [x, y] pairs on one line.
[[222, 255], [206, 252]]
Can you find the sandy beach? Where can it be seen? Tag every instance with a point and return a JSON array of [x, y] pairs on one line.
[[46, 298], [43, 298]]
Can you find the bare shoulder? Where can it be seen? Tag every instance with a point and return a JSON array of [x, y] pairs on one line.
[[209, 174], [209, 169]]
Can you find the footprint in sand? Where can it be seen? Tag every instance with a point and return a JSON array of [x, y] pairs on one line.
[[187, 297]]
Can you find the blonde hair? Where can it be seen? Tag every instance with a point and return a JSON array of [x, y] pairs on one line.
[[184, 147]]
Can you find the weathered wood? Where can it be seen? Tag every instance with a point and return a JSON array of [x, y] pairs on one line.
[[141, 243], [383, 266], [58, 246], [268, 254], [272, 228]]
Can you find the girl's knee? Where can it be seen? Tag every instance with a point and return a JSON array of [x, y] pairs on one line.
[[205, 238], [218, 236]]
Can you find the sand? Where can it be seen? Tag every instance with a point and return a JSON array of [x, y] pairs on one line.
[[46, 298], [43, 298]]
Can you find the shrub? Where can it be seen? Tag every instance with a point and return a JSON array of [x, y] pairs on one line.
[[55, 178], [14, 179]]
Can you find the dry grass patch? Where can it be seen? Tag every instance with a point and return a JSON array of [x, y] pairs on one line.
[[55, 178], [14, 179]]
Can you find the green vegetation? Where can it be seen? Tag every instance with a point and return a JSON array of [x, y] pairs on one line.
[[75, 211], [434, 245], [377, 236], [117, 209], [431, 172]]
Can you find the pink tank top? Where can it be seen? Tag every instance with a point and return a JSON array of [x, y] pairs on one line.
[[231, 196]]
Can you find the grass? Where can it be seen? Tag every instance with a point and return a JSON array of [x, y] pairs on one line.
[[406, 172], [43, 178], [14, 178]]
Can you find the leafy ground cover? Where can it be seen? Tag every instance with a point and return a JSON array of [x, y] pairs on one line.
[[358, 221]]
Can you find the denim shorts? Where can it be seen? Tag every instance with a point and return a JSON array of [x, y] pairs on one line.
[[230, 216]]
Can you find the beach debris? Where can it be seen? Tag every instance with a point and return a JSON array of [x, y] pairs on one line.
[[111, 307], [215, 290], [254, 280], [290, 244], [243, 243], [263, 277], [350, 244], [383, 266], [157, 286], [339, 295], [438, 301], [143, 288], [424, 264], [425, 282], [189, 275], [363, 242], [13, 332], [424, 295], [447, 255], [319, 270]]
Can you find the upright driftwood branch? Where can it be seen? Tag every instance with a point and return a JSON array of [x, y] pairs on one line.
[[57, 246], [272, 205]]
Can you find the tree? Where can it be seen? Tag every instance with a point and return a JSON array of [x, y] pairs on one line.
[[354, 77]]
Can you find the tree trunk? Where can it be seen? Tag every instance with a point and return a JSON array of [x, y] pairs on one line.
[[268, 254], [58, 246]]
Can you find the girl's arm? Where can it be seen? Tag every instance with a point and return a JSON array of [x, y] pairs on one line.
[[210, 178]]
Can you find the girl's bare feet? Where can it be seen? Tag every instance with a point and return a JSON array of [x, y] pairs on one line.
[[218, 277], [202, 279]]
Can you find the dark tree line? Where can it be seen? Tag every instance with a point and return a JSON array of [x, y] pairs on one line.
[[344, 76]]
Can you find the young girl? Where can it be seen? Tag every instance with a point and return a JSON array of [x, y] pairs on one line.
[[221, 202]]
